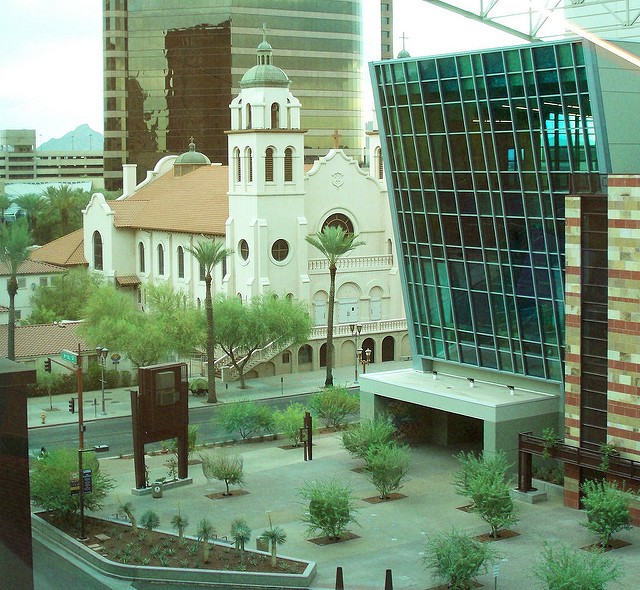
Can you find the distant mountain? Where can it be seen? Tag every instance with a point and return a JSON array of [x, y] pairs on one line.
[[81, 139]]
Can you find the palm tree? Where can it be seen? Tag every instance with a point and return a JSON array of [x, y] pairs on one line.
[[33, 205], [241, 534], [275, 536], [334, 243], [180, 523], [64, 200], [205, 532], [5, 203], [14, 250], [209, 254]]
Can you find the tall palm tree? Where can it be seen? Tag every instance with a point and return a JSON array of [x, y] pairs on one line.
[[334, 243], [33, 205], [14, 250], [209, 254], [5, 202], [64, 200]]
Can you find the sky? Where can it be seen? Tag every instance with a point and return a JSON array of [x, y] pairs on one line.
[[51, 56]]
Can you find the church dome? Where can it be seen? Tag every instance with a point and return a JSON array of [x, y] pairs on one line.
[[192, 157], [264, 73]]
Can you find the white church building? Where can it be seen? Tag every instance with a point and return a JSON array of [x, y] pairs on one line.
[[262, 206]]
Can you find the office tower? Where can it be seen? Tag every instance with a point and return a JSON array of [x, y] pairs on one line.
[[482, 149], [172, 68]]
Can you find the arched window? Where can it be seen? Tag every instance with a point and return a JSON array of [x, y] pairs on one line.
[[249, 123], [141, 263], [378, 163], [97, 251], [275, 115], [339, 220], [268, 165], [237, 164], [249, 162], [160, 259], [203, 272], [180, 262], [288, 165]]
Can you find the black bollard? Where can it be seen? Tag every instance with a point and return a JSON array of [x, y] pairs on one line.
[[339, 581], [388, 581]]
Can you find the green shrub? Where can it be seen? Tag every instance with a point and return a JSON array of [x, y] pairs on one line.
[[192, 441], [223, 467], [111, 378], [125, 379], [608, 509], [50, 483], [331, 508], [246, 418], [563, 568], [457, 559], [289, 421], [150, 520], [357, 438], [334, 404], [387, 467]]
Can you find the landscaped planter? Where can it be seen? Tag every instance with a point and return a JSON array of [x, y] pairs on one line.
[[51, 536]]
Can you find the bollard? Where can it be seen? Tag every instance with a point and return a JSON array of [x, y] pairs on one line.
[[339, 581], [43, 417], [388, 581]]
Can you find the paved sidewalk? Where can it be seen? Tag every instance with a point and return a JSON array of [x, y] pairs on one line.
[[117, 401]]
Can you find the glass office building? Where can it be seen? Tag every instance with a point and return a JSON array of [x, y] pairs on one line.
[[481, 150], [172, 68]]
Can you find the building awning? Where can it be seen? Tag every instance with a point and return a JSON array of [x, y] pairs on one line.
[[127, 281]]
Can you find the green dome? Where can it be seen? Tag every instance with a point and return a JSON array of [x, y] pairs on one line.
[[264, 75], [403, 53], [192, 157]]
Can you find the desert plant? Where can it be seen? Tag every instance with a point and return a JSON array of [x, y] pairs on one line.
[[334, 404], [289, 421], [205, 532], [550, 440], [331, 507], [457, 559], [357, 438], [564, 568], [50, 483], [472, 465], [607, 509], [180, 524], [387, 467], [241, 534], [150, 520], [247, 418], [491, 500], [607, 450], [223, 467], [275, 536]]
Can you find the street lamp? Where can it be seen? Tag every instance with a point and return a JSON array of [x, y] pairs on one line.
[[102, 353], [355, 332], [81, 478], [365, 358]]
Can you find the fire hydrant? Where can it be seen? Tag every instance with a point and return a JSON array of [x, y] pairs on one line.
[[43, 416]]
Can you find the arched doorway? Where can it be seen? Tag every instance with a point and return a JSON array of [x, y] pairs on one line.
[[388, 349], [305, 358], [323, 355], [368, 343]]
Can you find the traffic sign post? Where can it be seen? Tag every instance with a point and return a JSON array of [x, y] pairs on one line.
[[69, 356], [496, 573]]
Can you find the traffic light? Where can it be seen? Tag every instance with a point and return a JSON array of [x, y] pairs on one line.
[[72, 405], [47, 365]]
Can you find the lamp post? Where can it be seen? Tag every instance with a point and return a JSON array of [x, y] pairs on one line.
[[355, 332], [102, 353], [81, 478], [365, 358]]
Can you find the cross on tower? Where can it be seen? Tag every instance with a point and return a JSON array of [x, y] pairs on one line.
[[264, 31], [336, 139], [404, 38]]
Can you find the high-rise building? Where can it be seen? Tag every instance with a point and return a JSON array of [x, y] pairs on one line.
[[482, 150], [172, 67]]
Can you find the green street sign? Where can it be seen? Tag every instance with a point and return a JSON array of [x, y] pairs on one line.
[[72, 357]]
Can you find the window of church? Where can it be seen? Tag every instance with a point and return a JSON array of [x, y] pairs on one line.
[[180, 262], [268, 165], [160, 259], [243, 249], [249, 162], [141, 264], [280, 250], [378, 162], [275, 115], [97, 250], [203, 272], [339, 220], [249, 123], [288, 165], [237, 164]]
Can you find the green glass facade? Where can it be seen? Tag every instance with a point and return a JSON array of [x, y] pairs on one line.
[[481, 150], [172, 68]]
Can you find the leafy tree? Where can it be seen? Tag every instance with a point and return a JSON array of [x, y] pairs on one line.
[[334, 404], [607, 509], [275, 536], [150, 520], [65, 298], [242, 330], [209, 254], [387, 467], [563, 568], [333, 242], [247, 418], [458, 559], [205, 533], [241, 534], [180, 524], [471, 465], [50, 483], [289, 421], [226, 468], [359, 437], [331, 508], [5, 203], [14, 250]]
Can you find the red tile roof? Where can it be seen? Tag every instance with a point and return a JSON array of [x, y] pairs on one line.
[[43, 339], [32, 267], [65, 251]]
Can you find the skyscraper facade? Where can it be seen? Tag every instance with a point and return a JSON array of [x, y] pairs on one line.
[[171, 69]]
